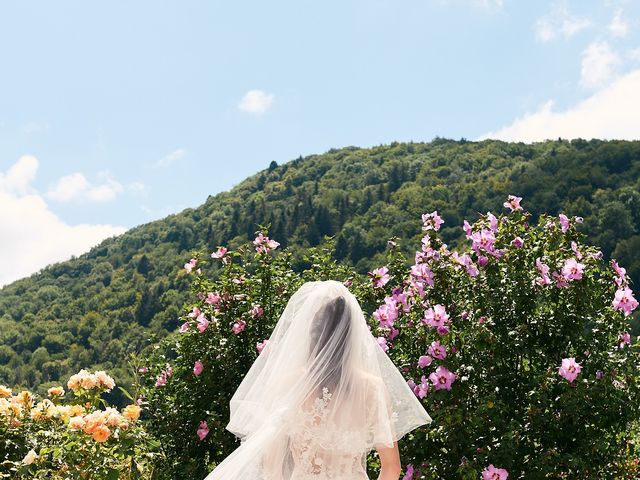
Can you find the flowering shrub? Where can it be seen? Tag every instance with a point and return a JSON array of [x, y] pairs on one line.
[[54, 439], [518, 347]]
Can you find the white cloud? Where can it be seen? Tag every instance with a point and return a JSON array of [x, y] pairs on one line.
[[559, 21], [611, 113], [618, 26], [170, 158], [256, 102], [599, 63], [17, 179], [75, 186], [32, 235]]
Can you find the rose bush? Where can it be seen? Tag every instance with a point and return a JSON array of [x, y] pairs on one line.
[[78, 438], [518, 347]]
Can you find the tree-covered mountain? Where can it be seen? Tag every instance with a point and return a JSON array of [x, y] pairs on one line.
[[90, 311]]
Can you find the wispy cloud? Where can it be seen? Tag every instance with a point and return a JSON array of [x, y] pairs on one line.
[[256, 102], [32, 235], [599, 64], [618, 26], [75, 186], [610, 113], [559, 22], [170, 158]]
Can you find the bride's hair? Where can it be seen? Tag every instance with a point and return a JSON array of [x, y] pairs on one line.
[[329, 333]]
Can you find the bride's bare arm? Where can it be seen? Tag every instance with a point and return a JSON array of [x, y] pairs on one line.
[[390, 462]]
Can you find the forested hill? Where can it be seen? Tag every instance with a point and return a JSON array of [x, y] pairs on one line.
[[89, 311]]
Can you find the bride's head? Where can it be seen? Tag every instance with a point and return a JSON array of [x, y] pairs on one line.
[[330, 335]]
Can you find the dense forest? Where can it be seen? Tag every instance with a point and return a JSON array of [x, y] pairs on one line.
[[90, 311]]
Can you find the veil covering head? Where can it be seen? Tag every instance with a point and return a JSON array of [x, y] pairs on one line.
[[320, 396]]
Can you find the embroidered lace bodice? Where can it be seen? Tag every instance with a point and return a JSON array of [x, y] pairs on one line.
[[323, 451]]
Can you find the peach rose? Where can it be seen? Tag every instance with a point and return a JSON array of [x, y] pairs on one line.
[[56, 391], [101, 433]]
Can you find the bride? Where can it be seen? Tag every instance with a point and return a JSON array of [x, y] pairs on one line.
[[320, 396]]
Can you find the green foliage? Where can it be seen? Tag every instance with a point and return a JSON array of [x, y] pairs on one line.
[[506, 338], [89, 312]]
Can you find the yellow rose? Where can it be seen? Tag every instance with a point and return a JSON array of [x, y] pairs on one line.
[[76, 410], [4, 391], [132, 412]]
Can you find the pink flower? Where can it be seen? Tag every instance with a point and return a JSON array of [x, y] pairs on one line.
[[560, 280], [574, 247], [543, 269], [399, 297], [493, 221], [436, 350], [382, 342], [203, 430], [572, 270], [256, 311], [442, 330], [219, 253], [569, 369], [393, 333], [493, 473], [213, 298], [190, 265], [239, 326], [435, 316], [483, 240], [424, 361], [513, 203], [624, 339], [161, 381], [264, 244], [442, 378], [260, 345], [194, 313], [422, 273], [184, 327], [468, 230], [386, 314], [621, 271], [379, 277], [198, 368], [466, 261], [421, 389], [564, 222], [203, 323], [482, 260], [409, 473], [431, 221], [517, 242], [625, 301]]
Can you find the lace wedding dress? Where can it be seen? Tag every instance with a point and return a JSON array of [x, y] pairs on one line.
[[320, 396]]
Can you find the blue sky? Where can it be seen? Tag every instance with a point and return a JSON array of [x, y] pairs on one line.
[[116, 113]]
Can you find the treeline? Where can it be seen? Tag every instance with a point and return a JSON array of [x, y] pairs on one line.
[[89, 312]]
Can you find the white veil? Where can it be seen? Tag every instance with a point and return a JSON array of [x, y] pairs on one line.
[[321, 394]]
